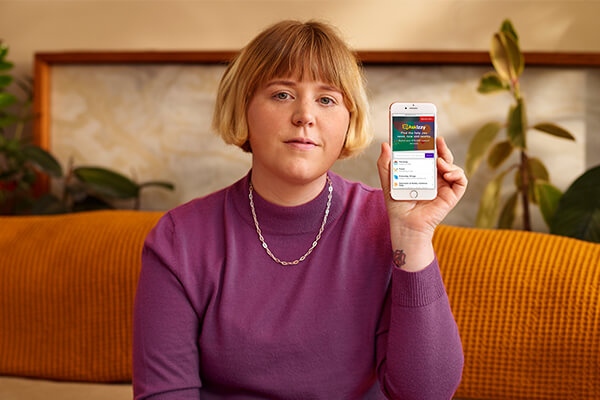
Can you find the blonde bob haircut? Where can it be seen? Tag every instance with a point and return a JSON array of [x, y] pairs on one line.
[[311, 50]]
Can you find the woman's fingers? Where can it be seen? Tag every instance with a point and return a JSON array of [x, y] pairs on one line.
[[383, 166], [444, 150]]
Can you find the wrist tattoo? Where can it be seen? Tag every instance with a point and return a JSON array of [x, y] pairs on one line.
[[399, 258]]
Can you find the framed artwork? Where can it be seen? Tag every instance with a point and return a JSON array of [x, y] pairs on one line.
[[148, 115]]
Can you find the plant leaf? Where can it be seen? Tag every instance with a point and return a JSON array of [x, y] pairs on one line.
[[517, 124], [7, 99], [9, 119], [507, 216], [507, 28], [578, 212], [42, 159], [548, 197], [107, 183], [515, 57], [5, 65], [499, 153], [479, 145], [499, 57], [491, 82], [554, 130], [537, 169], [488, 205], [163, 184], [12, 147], [91, 203], [506, 56], [5, 80]]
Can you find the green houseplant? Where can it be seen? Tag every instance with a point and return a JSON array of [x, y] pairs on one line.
[[574, 213], [19, 159], [531, 178], [577, 214], [84, 188]]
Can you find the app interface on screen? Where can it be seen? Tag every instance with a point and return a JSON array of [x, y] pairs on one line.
[[413, 157]]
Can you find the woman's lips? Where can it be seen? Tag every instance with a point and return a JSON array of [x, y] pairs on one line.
[[301, 143]]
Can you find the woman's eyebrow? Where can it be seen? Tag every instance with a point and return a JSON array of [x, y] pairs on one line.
[[330, 88], [281, 82]]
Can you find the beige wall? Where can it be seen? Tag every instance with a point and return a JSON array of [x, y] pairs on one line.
[[568, 26], [52, 25]]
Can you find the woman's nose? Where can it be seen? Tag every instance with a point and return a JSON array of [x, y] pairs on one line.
[[303, 116]]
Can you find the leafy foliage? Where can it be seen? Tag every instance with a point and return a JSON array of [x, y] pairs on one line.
[[576, 213], [21, 163]]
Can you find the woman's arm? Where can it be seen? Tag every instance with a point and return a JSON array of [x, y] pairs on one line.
[[418, 346], [419, 353], [165, 325]]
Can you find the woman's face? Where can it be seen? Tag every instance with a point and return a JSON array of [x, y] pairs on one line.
[[296, 129]]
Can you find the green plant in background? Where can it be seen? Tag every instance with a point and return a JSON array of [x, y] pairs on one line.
[[576, 213], [532, 182], [84, 188], [19, 159], [93, 188]]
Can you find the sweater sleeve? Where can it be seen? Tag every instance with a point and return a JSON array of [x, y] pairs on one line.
[[419, 353], [165, 325]]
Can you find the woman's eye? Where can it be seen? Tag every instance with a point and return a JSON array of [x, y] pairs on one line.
[[326, 101], [282, 96]]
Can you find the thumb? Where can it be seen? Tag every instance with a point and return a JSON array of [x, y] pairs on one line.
[[383, 165]]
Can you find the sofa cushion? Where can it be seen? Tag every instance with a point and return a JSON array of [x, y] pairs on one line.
[[527, 306], [67, 285]]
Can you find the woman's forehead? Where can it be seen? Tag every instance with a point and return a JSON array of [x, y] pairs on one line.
[[295, 81], [302, 76]]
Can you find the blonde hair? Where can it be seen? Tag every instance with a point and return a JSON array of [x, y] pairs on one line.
[[284, 49]]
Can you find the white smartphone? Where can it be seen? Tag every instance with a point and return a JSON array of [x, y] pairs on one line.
[[413, 169]]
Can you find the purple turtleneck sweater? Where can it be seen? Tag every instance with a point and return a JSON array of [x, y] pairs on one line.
[[216, 318]]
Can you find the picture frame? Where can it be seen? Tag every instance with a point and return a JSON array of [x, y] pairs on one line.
[[422, 61]]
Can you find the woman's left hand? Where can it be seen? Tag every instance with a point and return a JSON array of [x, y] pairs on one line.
[[423, 216]]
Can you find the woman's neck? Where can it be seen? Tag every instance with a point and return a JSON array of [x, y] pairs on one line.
[[282, 192]]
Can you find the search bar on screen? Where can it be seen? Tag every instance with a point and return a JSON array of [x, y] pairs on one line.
[[403, 155]]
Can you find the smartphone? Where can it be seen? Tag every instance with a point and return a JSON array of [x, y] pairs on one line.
[[413, 169]]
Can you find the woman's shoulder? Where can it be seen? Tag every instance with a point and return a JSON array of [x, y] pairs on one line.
[[202, 212], [200, 206], [362, 203], [358, 191]]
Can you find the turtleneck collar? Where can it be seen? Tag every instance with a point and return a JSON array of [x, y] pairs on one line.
[[276, 219]]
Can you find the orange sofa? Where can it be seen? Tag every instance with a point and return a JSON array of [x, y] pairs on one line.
[[527, 306]]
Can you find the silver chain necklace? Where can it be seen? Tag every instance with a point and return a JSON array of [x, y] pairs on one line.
[[314, 244]]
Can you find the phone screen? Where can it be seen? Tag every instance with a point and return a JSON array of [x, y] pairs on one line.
[[413, 152]]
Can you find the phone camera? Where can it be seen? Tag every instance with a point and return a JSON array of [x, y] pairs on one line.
[[405, 108]]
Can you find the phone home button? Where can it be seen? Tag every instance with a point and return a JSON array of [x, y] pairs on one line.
[[414, 194]]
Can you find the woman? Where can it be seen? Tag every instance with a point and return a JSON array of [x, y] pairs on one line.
[[294, 283]]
